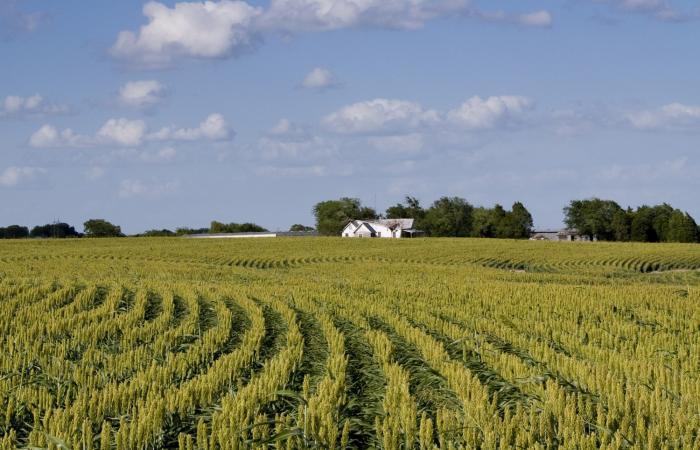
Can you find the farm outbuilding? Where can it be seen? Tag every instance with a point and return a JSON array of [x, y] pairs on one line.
[[380, 228]]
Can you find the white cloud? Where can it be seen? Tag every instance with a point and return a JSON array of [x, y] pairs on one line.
[[49, 136], [189, 29], [129, 133], [15, 105], [479, 114], [135, 188], [219, 29], [142, 94], [536, 19], [213, 128], [380, 116], [324, 15], [13, 176], [319, 79], [674, 116]]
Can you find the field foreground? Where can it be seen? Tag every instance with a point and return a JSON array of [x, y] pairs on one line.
[[329, 344]]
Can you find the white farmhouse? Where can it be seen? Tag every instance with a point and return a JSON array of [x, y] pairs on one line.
[[380, 228]]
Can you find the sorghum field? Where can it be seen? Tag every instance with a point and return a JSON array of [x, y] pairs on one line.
[[326, 343]]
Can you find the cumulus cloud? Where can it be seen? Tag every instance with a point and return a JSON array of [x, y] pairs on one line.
[[142, 94], [13, 176], [130, 188], [15, 105], [189, 29], [380, 116], [130, 133], [479, 114], [400, 117], [320, 79], [213, 128], [674, 116], [49, 136], [218, 29], [323, 15]]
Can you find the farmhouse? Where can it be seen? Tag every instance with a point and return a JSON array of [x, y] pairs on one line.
[[380, 228], [567, 234]]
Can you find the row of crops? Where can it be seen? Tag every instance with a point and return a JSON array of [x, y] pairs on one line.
[[332, 344]]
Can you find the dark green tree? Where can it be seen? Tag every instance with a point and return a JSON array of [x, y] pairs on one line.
[[333, 215], [516, 224], [14, 232], [449, 217], [219, 227], [483, 223], [57, 230], [642, 227], [99, 228], [592, 217], [297, 227], [681, 228], [622, 225], [158, 233], [410, 209]]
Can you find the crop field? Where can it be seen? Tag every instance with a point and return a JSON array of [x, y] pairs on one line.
[[315, 343]]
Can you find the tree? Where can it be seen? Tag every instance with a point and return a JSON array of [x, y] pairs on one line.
[[99, 228], [449, 216], [681, 227], [297, 227], [57, 230], [333, 215], [184, 231], [14, 232], [622, 225], [518, 223], [158, 233], [642, 227], [483, 223], [412, 209], [592, 217], [218, 227]]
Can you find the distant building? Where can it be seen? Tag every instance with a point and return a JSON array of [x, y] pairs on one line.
[[381, 228], [566, 234], [263, 234]]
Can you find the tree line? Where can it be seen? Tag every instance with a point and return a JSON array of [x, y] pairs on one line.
[[595, 218], [61, 230], [606, 220], [445, 217]]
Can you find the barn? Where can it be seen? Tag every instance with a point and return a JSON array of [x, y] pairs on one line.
[[380, 228]]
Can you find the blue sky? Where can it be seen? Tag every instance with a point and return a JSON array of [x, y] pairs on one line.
[[166, 114]]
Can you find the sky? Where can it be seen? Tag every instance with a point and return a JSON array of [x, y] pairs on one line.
[[169, 114]]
